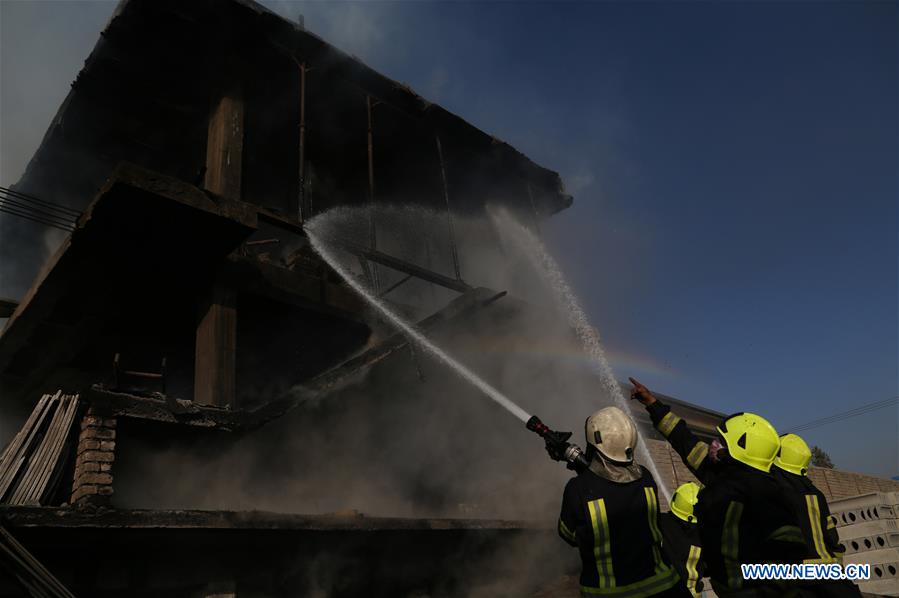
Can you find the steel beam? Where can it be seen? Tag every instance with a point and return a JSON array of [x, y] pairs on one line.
[[406, 267]]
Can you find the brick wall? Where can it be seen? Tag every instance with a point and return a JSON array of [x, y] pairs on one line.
[[92, 482]]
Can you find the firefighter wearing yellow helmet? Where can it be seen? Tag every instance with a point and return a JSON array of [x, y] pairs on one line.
[[791, 467], [684, 499], [681, 537], [743, 515], [610, 512]]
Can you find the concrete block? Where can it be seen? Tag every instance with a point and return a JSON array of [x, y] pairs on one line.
[[876, 589], [870, 535], [884, 570], [873, 506]]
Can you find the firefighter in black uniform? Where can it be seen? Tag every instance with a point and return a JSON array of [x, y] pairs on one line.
[[818, 527], [610, 512], [744, 517], [680, 537]]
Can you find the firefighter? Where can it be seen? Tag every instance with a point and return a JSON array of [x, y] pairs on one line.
[[610, 512], [680, 537], [744, 517], [817, 525]]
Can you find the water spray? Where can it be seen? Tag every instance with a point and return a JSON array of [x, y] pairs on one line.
[[577, 318], [557, 444], [409, 329]]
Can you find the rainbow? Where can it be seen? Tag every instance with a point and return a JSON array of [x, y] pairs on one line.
[[569, 353]]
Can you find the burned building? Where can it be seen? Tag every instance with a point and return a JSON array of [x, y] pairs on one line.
[[194, 145], [186, 314]]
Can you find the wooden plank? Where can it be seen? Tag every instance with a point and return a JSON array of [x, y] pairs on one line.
[[54, 440], [33, 461], [40, 576], [20, 570], [42, 464], [16, 442], [37, 461], [55, 471], [11, 476], [59, 451], [19, 567], [216, 350], [24, 449]]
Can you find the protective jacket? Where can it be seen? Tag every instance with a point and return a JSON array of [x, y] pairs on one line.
[[745, 520], [744, 516], [615, 526], [684, 550], [818, 528], [693, 451]]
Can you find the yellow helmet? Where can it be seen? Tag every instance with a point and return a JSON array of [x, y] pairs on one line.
[[683, 500], [751, 440], [793, 455]]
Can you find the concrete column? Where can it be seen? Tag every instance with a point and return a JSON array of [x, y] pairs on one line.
[[214, 381], [224, 145], [216, 349]]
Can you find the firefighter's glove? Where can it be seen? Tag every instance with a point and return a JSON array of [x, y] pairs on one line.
[[556, 443]]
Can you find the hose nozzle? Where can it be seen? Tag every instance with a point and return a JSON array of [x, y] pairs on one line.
[[557, 444], [535, 425]]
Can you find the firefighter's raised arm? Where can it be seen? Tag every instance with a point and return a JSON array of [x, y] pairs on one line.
[[693, 451], [641, 393]]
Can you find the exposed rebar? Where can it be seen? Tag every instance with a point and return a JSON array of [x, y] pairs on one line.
[[373, 235], [303, 206], [449, 214]]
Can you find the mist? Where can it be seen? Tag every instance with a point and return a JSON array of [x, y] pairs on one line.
[[409, 437]]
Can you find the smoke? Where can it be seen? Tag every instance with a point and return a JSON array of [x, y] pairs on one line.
[[577, 319], [391, 443], [395, 443], [365, 29], [42, 48]]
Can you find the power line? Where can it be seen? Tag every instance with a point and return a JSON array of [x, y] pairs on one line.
[[38, 220], [861, 410], [847, 414], [28, 207], [42, 202], [24, 206]]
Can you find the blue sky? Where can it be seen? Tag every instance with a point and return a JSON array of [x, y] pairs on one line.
[[734, 166]]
